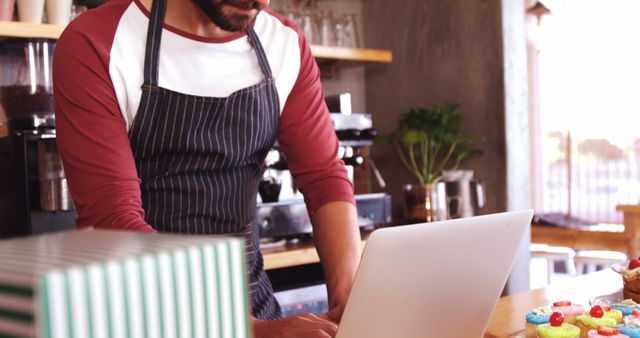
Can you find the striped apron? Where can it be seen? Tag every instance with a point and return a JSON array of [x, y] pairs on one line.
[[200, 158]]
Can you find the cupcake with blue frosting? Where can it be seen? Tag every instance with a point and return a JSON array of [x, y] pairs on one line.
[[535, 318], [631, 326], [626, 306]]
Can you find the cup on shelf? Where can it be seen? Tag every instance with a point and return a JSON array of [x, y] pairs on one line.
[[7, 8], [30, 10], [58, 11]]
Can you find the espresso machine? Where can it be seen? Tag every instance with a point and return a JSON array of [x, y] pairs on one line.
[[281, 212], [34, 195]]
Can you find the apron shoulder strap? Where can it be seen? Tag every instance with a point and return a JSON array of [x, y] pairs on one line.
[[262, 56], [154, 37]]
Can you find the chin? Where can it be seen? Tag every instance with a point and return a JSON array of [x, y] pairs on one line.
[[234, 22]]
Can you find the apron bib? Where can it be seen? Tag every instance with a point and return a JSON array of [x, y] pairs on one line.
[[200, 158]]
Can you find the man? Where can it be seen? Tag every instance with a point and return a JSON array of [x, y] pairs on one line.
[[166, 129]]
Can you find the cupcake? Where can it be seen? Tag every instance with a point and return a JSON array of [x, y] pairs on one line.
[[631, 326], [556, 328], [592, 320], [606, 332], [626, 306], [631, 280], [613, 314], [535, 318], [570, 311]]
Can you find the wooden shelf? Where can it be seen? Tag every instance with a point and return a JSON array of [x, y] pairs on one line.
[[13, 29], [351, 54]]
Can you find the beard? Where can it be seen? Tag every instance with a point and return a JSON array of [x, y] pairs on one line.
[[230, 21]]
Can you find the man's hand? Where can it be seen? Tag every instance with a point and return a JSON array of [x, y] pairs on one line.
[[334, 315], [303, 326]]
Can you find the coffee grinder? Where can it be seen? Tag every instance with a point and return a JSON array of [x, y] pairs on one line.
[[34, 196]]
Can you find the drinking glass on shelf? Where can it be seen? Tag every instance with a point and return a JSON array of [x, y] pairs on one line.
[[351, 31], [7, 9], [346, 33], [58, 12], [31, 11], [292, 13], [339, 31], [309, 27], [326, 32]]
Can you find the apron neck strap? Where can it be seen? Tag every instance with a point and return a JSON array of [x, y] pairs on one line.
[[262, 56], [154, 37]]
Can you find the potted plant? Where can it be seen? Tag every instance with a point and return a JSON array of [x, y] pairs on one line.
[[429, 140]]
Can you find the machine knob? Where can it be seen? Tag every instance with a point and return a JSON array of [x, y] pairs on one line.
[[266, 223]]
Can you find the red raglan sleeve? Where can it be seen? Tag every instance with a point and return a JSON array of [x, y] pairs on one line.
[[92, 136], [308, 139]]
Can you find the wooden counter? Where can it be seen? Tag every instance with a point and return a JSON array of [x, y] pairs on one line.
[[508, 318], [598, 237], [293, 255]]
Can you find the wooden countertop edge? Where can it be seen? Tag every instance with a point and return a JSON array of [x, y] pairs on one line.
[[293, 256], [628, 208], [550, 230]]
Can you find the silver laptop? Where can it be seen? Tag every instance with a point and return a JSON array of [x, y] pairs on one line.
[[440, 279]]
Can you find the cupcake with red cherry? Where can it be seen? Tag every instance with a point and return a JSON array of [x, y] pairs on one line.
[[535, 318], [569, 310], [631, 280], [631, 326], [606, 332], [592, 320], [557, 328]]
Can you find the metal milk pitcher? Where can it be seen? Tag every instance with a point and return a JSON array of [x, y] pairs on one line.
[[465, 196]]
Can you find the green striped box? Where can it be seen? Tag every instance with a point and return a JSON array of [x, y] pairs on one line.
[[98, 283]]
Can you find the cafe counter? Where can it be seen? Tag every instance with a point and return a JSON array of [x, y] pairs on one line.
[[508, 319]]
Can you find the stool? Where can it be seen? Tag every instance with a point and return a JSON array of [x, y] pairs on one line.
[[592, 258], [554, 254]]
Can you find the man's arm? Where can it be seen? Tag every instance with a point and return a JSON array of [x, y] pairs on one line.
[[337, 238], [91, 132], [308, 140]]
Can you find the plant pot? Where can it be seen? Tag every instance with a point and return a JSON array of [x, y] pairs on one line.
[[426, 203]]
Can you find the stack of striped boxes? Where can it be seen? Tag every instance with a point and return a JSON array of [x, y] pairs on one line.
[[94, 283]]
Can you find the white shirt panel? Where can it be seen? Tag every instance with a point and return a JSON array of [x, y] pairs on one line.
[[200, 68]]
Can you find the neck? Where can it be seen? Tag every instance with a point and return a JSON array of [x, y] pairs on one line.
[[187, 16]]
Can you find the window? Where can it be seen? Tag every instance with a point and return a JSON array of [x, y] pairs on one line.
[[585, 91]]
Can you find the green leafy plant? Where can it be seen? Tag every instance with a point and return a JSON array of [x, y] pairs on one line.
[[429, 140]]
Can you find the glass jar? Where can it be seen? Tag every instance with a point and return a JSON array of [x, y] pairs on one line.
[[26, 88]]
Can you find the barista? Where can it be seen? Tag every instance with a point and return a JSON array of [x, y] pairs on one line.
[[165, 112]]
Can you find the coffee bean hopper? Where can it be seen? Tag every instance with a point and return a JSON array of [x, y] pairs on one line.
[[26, 88], [34, 196]]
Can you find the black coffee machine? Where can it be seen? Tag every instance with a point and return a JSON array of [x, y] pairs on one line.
[[34, 196]]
